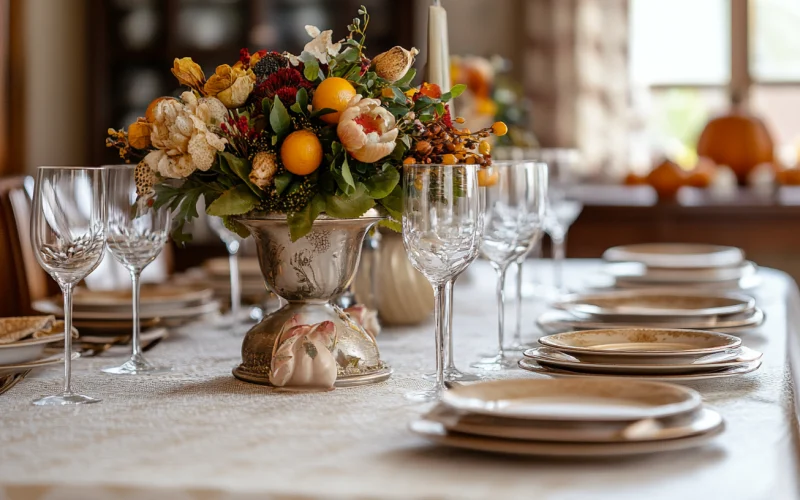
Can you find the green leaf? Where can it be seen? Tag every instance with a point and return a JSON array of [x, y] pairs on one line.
[[350, 55], [266, 105], [399, 96], [346, 174], [236, 227], [405, 81], [381, 184], [457, 90], [236, 201], [296, 108], [394, 203], [279, 118], [311, 70], [241, 168], [323, 111], [300, 223], [282, 182], [392, 224], [302, 99], [349, 207]]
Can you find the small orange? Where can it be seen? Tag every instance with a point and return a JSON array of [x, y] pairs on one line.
[[301, 152], [488, 177], [333, 93], [635, 180], [667, 178]]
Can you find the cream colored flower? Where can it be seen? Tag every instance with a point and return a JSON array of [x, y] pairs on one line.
[[265, 166], [322, 46], [231, 85], [367, 130], [181, 135]]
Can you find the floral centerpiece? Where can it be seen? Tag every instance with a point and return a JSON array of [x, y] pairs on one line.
[[326, 131]]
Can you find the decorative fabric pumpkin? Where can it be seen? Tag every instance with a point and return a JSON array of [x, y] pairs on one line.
[[738, 140], [303, 357]]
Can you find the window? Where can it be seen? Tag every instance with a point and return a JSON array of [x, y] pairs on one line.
[[687, 56]]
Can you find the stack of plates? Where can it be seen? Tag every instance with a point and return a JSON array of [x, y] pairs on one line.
[[708, 267], [653, 308], [667, 355], [215, 274], [24, 340], [570, 418], [111, 313]]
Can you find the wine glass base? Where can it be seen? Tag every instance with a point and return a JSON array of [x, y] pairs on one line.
[[425, 396], [68, 398], [455, 375], [137, 366], [495, 363]]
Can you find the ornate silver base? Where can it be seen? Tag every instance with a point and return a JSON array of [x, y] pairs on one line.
[[346, 381]]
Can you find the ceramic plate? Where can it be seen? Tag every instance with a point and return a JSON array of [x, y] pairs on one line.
[[436, 432], [588, 400], [220, 266], [639, 273], [551, 358], [52, 307], [654, 304], [561, 321], [153, 297], [111, 327], [56, 359], [533, 366], [647, 345], [676, 255], [27, 350], [679, 426]]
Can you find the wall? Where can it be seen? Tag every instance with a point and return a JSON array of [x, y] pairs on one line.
[[54, 82]]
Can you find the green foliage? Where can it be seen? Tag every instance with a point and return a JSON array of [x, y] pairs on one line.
[[300, 222], [350, 206], [279, 119], [235, 201]]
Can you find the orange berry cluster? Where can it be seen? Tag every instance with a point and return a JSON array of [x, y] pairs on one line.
[[438, 142]]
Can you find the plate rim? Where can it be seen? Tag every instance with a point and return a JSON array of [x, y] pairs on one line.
[[595, 324], [48, 306], [725, 256], [728, 372], [569, 303]]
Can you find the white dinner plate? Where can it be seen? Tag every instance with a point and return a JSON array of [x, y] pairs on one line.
[[586, 400], [678, 426], [676, 255], [643, 274], [533, 366], [549, 357], [644, 345], [436, 432], [56, 359], [49, 306], [653, 303], [555, 321]]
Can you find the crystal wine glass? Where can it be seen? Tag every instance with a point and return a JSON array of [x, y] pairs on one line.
[[233, 242], [68, 229], [136, 234], [441, 234], [514, 215]]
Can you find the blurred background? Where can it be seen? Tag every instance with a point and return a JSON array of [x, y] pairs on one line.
[[627, 87]]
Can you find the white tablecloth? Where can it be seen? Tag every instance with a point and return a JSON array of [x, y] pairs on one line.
[[198, 433]]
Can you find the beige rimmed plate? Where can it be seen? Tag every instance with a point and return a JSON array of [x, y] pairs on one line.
[[555, 321], [549, 357], [646, 345], [153, 297], [220, 266], [437, 433], [654, 304], [676, 255], [51, 307], [39, 363], [644, 274], [533, 366], [586, 400], [678, 426]]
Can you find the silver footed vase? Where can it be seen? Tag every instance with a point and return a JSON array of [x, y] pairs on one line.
[[308, 274]]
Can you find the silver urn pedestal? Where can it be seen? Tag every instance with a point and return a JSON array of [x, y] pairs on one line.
[[308, 274]]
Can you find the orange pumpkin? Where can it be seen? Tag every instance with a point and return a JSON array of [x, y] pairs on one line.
[[667, 178], [702, 174], [738, 140], [788, 177], [635, 180]]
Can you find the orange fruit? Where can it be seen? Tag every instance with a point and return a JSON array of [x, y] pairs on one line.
[[151, 109], [702, 174], [634, 180], [301, 152], [788, 177], [488, 177], [333, 93], [667, 178]]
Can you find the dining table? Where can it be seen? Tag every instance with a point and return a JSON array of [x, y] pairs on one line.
[[199, 433]]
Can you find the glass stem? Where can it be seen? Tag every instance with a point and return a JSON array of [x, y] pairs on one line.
[[448, 329], [517, 340], [67, 292], [559, 254], [501, 312], [439, 314], [137, 348], [236, 287]]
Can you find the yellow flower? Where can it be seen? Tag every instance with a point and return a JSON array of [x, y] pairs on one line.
[[188, 73], [231, 85], [411, 92], [387, 93], [139, 134]]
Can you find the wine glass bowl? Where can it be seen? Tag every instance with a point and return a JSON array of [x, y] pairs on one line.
[[233, 242], [137, 232], [68, 230], [442, 227]]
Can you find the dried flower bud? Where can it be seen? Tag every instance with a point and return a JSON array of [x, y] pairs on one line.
[[393, 64], [139, 134], [265, 166], [231, 85], [144, 178], [188, 73]]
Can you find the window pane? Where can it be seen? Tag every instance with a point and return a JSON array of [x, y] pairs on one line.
[[778, 106], [680, 41], [775, 40]]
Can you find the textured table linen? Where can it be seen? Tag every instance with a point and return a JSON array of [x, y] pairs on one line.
[[197, 433]]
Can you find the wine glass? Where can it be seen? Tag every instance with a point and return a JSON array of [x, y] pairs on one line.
[[136, 234], [233, 242], [68, 229], [441, 234], [515, 208]]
